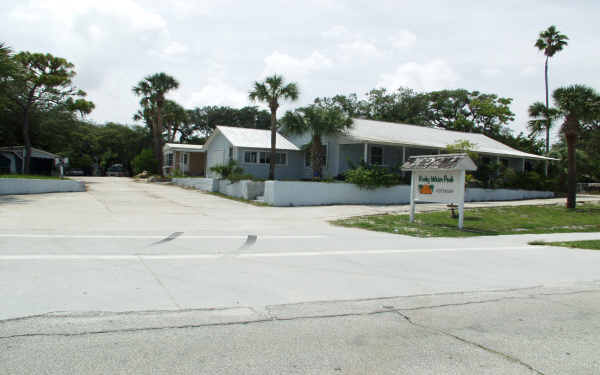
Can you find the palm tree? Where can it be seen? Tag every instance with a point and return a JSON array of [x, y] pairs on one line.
[[550, 41], [577, 104], [152, 89], [320, 121], [271, 91], [541, 116]]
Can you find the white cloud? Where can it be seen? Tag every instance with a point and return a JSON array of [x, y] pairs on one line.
[[336, 32], [358, 50], [294, 67], [403, 39], [490, 72], [434, 75], [175, 48], [216, 92]]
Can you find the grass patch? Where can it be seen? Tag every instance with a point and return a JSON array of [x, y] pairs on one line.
[[254, 203], [589, 244], [32, 177], [486, 221]]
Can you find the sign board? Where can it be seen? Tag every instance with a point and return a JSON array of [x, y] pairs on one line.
[[439, 178], [437, 186]]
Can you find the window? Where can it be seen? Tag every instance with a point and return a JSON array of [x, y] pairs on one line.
[[376, 155], [185, 158], [308, 157], [250, 157], [230, 153], [263, 157], [170, 159]]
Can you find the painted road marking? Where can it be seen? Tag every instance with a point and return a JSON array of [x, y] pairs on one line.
[[251, 255], [105, 236]]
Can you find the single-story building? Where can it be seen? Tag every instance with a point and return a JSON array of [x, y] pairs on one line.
[[182, 158], [12, 160], [375, 142]]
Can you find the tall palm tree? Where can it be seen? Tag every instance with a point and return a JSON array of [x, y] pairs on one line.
[[152, 90], [270, 91], [577, 104], [540, 114], [550, 41], [319, 121]]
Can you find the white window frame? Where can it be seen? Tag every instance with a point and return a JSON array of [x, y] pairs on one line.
[[170, 159], [382, 156], [257, 152], [307, 152], [186, 158]]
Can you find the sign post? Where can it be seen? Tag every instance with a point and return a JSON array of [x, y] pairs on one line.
[[439, 178]]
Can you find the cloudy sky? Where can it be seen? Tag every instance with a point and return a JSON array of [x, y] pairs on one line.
[[216, 49]]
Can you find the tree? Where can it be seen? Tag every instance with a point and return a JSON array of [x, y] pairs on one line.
[[550, 41], [577, 104], [271, 91], [43, 82], [319, 120], [152, 90], [542, 117]]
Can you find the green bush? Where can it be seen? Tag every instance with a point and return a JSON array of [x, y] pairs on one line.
[[144, 161], [372, 177], [231, 171]]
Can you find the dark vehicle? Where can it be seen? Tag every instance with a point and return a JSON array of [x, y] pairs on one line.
[[116, 170], [75, 172]]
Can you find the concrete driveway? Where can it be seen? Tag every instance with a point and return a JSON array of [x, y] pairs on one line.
[[141, 264]]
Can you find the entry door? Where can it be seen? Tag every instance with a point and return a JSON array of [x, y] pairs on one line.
[[185, 162]]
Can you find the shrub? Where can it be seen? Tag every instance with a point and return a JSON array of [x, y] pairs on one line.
[[144, 161], [231, 171], [372, 177]]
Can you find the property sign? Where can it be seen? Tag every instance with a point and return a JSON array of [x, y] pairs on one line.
[[437, 186]]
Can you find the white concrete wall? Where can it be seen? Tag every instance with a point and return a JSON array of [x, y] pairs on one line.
[[204, 184], [241, 189], [298, 193], [32, 186]]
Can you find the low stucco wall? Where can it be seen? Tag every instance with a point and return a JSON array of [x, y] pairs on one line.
[[241, 189], [484, 195], [33, 186], [204, 184], [298, 193]]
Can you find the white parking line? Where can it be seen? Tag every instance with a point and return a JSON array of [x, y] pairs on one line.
[[250, 255], [183, 236]]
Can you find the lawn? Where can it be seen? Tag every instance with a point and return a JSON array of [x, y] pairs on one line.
[[589, 244], [486, 221], [31, 176]]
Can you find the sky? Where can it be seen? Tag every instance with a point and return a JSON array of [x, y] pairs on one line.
[[217, 49]]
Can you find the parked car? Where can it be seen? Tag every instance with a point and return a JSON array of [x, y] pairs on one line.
[[116, 170], [75, 172]]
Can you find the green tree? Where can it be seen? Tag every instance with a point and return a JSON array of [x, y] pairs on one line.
[[271, 91], [318, 120], [42, 82], [577, 104], [550, 41], [152, 90], [542, 117]]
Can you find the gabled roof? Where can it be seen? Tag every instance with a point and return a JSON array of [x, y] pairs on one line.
[[183, 147], [251, 138], [440, 162], [421, 136], [35, 152]]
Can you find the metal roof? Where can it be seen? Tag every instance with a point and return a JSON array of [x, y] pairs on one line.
[[371, 131], [183, 147], [253, 138], [440, 162]]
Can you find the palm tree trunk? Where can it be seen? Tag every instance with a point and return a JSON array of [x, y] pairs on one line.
[[547, 106], [273, 145], [317, 159], [572, 175], [27, 157]]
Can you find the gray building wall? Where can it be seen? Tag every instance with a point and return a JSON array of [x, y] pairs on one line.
[[292, 171], [217, 153]]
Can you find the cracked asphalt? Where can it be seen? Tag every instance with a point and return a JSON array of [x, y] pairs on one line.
[[136, 278]]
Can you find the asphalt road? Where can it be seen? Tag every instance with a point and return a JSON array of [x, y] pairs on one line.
[[143, 278]]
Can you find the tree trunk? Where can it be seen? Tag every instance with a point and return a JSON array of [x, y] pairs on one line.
[[273, 142], [572, 179], [547, 106], [158, 142], [316, 157], [27, 155]]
